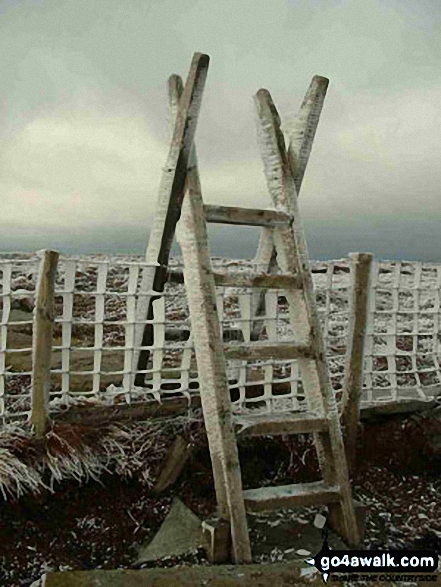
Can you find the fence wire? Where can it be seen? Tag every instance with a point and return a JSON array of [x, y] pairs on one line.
[[95, 320]]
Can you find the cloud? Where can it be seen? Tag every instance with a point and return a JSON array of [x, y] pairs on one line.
[[79, 168]]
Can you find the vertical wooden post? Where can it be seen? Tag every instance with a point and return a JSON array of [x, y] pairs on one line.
[[42, 340], [353, 381]]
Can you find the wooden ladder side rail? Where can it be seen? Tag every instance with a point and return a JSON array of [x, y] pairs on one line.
[[302, 303], [168, 209], [301, 134], [213, 380]]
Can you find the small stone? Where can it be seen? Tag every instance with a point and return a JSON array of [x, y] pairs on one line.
[[319, 521], [303, 552]]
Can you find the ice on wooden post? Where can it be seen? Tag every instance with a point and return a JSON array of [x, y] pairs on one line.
[[353, 382], [300, 130], [271, 305], [99, 326], [159, 337], [215, 396], [171, 194], [187, 355], [6, 289], [245, 328], [66, 326], [130, 330], [42, 341], [303, 312]]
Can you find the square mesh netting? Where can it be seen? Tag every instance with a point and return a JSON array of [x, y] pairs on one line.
[[402, 356], [95, 356]]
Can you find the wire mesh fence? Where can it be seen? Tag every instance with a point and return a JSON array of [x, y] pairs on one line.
[[94, 353]]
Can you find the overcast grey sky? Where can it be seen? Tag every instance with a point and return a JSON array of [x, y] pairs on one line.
[[83, 130]]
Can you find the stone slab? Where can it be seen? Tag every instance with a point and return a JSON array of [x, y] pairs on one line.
[[180, 532], [240, 576], [268, 575]]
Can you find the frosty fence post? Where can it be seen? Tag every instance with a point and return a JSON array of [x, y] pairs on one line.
[[42, 340], [353, 380], [6, 290]]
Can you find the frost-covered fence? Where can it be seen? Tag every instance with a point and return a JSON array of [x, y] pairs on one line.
[[93, 340]]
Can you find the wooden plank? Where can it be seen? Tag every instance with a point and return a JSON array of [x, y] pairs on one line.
[[171, 195], [176, 406], [217, 540], [244, 216], [129, 328], [266, 351], [215, 397], [302, 129], [353, 381], [42, 341], [257, 280], [301, 132], [175, 462], [97, 414], [292, 257], [286, 496], [193, 184], [100, 298], [70, 266], [274, 424], [5, 282]]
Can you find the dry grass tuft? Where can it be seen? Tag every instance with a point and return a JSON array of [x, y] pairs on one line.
[[76, 451]]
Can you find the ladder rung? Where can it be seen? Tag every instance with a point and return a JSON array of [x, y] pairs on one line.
[[250, 216], [285, 496], [258, 280], [272, 425], [264, 351]]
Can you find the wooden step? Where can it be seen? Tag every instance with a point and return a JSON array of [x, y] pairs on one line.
[[264, 280], [275, 424], [245, 216], [286, 496], [267, 351]]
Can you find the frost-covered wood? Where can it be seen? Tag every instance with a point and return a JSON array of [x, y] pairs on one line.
[[300, 131], [401, 335], [66, 326], [257, 280], [99, 327], [244, 216], [215, 397], [168, 208], [206, 333], [132, 285], [287, 496], [277, 424], [42, 341], [174, 464], [302, 307], [267, 351], [353, 383]]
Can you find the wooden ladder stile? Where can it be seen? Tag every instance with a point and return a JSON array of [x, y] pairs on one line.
[[321, 419], [284, 170]]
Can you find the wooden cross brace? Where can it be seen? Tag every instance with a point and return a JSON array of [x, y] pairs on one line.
[[168, 210], [184, 116], [301, 132]]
